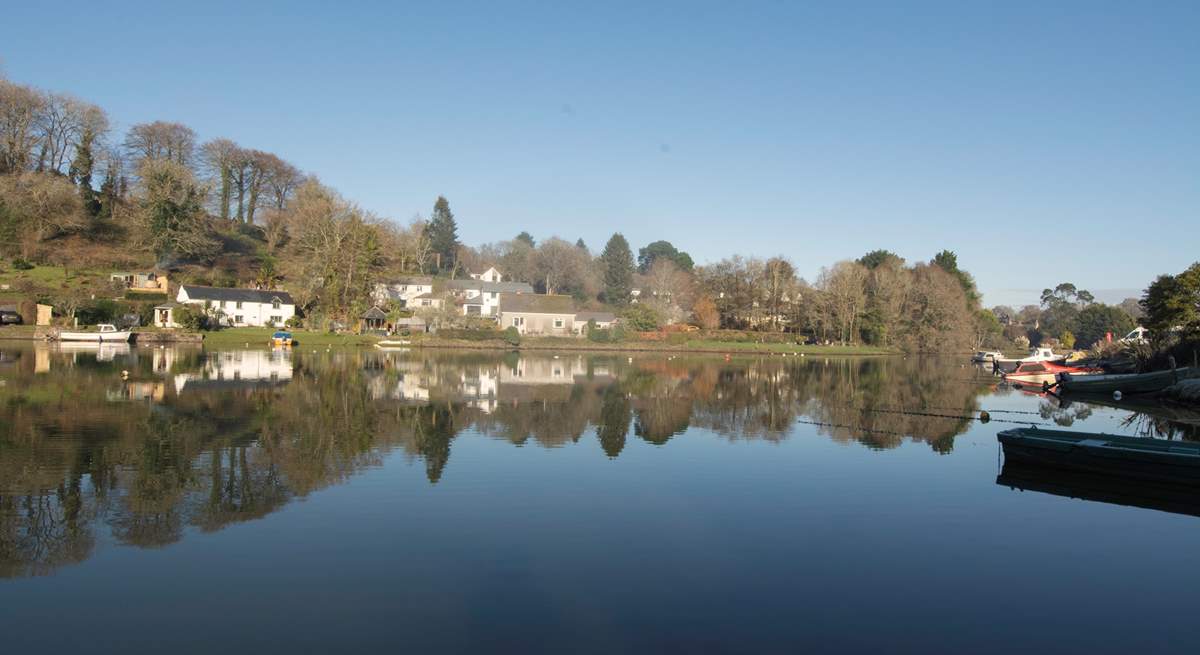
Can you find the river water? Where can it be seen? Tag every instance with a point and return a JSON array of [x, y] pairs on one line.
[[357, 500]]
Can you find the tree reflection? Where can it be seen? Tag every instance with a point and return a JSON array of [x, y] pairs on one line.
[[233, 437]]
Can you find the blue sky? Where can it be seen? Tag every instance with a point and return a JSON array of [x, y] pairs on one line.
[[1043, 142]]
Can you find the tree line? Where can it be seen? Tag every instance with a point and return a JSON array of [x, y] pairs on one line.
[[158, 192]]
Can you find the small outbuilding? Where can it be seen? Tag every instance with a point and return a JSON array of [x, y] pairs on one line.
[[602, 320], [374, 320]]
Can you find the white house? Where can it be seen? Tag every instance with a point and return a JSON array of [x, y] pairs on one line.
[[232, 307], [482, 297], [403, 290], [490, 275]]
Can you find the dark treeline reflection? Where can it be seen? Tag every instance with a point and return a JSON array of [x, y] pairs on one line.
[[147, 443]]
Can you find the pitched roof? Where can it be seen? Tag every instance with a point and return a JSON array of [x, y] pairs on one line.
[[375, 313], [529, 303], [599, 317], [491, 287], [416, 279], [237, 295]]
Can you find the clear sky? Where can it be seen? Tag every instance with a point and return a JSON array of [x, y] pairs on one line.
[[1042, 141]]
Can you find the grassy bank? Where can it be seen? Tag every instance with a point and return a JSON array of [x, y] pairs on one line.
[[691, 346], [231, 337], [257, 337]]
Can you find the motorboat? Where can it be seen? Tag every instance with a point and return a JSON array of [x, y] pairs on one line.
[[1037, 355], [105, 333], [985, 356], [1046, 373], [283, 339]]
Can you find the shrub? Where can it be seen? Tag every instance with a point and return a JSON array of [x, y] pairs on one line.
[[97, 311], [1067, 339], [512, 336], [642, 318], [21, 265], [598, 335], [293, 323], [191, 318]]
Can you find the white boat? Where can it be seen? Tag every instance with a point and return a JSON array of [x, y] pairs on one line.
[[987, 356], [393, 344], [1038, 355], [106, 333]]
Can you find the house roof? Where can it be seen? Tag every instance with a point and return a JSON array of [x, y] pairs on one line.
[[417, 279], [599, 317], [375, 313], [239, 295], [529, 303], [425, 295], [491, 287]]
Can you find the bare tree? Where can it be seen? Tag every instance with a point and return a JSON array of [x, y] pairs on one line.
[[217, 159], [20, 107], [667, 289], [282, 179], [160, 140], [779, 287], [845, 285]]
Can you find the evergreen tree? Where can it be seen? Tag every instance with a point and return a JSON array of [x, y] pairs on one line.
[[81, 172], [948, 261], [580, 244], [617, 260], [525, 237], [443, 235]]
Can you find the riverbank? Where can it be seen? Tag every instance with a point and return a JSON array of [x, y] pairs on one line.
[[262, 336], [691, 346]]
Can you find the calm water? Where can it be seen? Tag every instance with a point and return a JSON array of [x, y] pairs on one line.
[[429, 502]]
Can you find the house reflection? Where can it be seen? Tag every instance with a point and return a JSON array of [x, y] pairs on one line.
[[241, 369]]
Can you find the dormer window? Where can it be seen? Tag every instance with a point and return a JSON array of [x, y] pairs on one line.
[[275, 304]]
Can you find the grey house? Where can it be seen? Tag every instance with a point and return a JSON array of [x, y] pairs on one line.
[[538, 314]]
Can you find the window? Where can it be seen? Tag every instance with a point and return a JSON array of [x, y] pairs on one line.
[[425, 303], [518, 321], [275, 304], [238, 320], [558, 323], [239, 304], [276, 319]]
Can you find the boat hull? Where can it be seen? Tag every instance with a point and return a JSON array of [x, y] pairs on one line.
[[1158, 460], [1128, 383], [96, 337]]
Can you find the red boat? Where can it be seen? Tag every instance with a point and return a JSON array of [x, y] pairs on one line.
[[1046, 371]]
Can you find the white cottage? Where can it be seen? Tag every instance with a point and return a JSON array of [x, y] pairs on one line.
[[403, 291], [233, 307]]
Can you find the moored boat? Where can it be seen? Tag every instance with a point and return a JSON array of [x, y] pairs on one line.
[[985, 356], [1126, 383], [105, 333], [1037, 355], [282, 338], [1046, 372], [393, 344], [1142, 458]]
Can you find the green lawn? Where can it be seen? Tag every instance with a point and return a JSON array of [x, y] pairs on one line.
[[259, 337], [49, 280]]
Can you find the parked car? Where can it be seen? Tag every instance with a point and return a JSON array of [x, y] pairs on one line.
[[1139, 335], [9, 318]]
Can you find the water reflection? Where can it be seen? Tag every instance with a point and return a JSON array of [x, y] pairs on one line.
[[143, 444]]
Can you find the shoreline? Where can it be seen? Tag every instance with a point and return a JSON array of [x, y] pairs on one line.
[[260, 337]]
